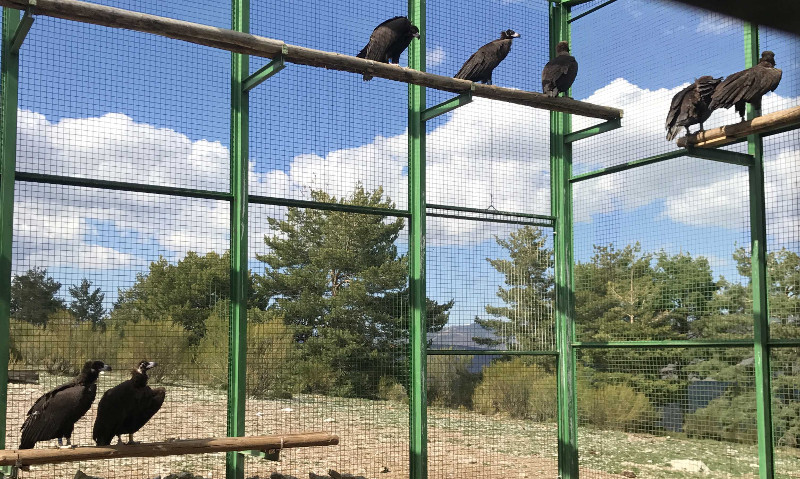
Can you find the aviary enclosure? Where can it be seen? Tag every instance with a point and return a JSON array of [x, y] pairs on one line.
[[455, 280]]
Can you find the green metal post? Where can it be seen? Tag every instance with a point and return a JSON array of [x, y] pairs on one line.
[[418, 427], [561, 204], [237, 346], [758, 280], [9, 78]]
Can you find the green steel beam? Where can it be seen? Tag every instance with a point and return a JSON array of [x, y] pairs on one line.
[[593, 130], [237, 344], [561, 204], [264, 73], [22, 29], [492, 212], [487, 352], [570, 4], [758, 279], [667, 343], [541, 223], [121, 186], [628, 166], [786, 342], [723, 156], [9, 75], [418, 419], [591, 10], [318, 205], [447, 106]]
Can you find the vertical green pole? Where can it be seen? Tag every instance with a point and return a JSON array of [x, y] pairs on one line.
[[758, 280], [237, 346], [8, 163], [561, 205], [418, 447]]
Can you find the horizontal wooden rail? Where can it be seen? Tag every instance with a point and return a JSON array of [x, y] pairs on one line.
[[776, 122], [248, 44], [32, 457]]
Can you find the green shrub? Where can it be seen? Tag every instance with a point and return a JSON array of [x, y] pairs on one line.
[[614, 406], [316, 377], [164, 342], [518, 389], [391, 390], [270, 358], [450, 384], [726, 418]]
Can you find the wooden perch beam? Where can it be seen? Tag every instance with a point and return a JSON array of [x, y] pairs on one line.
[[773, 123], [32, 457], [245, 43]]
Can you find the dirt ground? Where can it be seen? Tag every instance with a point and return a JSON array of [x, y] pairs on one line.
[[373, 438]]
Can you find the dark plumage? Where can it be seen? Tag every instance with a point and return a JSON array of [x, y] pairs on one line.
[[748, 86], [690, 106], [479, 66], [388, 41], [54, 415], [560, 72], [126, 407]]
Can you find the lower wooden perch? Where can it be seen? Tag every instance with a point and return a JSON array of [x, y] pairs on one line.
[[29, 457], [767, 124]]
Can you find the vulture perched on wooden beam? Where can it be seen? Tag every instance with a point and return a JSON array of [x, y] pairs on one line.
[[126, 407], [388, 41], [690, 106], [53, 416], [560, 72], [748, 86], [479, 67]]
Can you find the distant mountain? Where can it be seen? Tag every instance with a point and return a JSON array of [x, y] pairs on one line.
[[460, 337]]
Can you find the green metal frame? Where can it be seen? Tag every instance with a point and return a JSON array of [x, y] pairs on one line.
[[9, 78], [561, 204], [237, 345], [758, 279], [418, 421], [447, 106], [593, 130], [264, 73]]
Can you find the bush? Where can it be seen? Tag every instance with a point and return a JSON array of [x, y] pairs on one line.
[[726, 418], [162, 341], [518, 389], [390, 390], [614, 406], [450, 384]]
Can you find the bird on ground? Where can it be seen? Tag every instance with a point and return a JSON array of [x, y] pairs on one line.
[[747, 86], [388, 41], [126, 407], [479, 67], [53, 416], [690, 106], [560, 72]]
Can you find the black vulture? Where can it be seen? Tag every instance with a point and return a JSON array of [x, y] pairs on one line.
[[388, 41], [690, 106], [479, 66], [748, 86], [126, 407], [54, 415], [560, 72]]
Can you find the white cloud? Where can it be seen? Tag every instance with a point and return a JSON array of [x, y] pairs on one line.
[[435, 57]]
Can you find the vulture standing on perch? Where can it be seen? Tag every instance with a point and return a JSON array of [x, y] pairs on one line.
[[690, 106], [126, 407], [480, 65], [748, 86], [388, 41], [560, 72], [54, 415]]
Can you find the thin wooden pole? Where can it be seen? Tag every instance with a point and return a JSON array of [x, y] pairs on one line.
[[32, 457], [725, 135], [239, 42]]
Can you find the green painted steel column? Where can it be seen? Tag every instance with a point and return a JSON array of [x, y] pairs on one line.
[[9, 78], [237, 346], [561, 205], [758, 280], [418, 427]]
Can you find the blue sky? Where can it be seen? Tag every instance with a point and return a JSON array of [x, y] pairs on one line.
[[131, 107]]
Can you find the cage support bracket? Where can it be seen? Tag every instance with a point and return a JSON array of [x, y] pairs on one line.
[[23, 28], [265, 73], [267, 454], [723, 156], [629, 165], [447, 106], [593, 130]]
